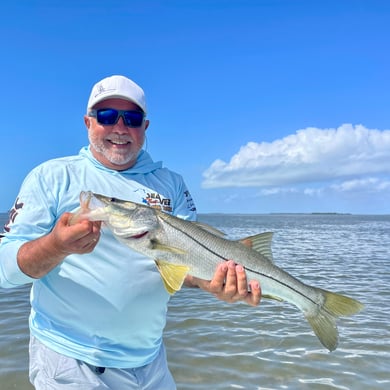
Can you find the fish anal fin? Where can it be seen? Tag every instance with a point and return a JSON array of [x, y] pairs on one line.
[[173, 275], [274, 297], [260, 243]]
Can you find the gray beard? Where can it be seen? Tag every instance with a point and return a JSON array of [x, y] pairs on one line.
[[112, 156]]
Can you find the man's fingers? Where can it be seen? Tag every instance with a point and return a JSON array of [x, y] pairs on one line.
[[230, 284], [242, 282], [254, 297], [230, 287], [217, 283]]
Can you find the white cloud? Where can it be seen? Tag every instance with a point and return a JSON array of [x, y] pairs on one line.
[[311, 155], [278, 191], [313, 191], [369, 184]]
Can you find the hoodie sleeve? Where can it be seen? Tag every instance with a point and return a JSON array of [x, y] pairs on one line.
[[184, 205], [31, 216], [10, 273]]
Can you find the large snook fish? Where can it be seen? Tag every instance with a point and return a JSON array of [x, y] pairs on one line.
[[182, 247]]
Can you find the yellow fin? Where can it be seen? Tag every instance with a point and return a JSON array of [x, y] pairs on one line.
[[173, 275], [340, 305], [324, 321], [274, 297], [166, 248], [260, 243]]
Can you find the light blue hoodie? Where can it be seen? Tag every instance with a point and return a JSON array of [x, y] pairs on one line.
[[107, 308]]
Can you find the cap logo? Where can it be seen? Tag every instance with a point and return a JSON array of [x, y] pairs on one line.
[[101, 90]]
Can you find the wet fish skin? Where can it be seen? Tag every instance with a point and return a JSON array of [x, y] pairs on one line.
[[182, 247]]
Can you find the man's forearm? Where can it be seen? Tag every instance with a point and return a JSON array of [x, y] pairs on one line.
[[38, 257]]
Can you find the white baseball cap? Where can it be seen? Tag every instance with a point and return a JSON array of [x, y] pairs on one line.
[[117, 87]]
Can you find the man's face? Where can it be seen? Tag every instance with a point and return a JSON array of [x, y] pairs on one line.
[[115, 146]]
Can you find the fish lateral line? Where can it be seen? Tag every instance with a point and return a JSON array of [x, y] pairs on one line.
[[281, 283], [196, 241]]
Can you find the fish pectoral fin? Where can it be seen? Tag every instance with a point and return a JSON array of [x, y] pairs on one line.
[[155, 244], [173, 275], [260, 243]]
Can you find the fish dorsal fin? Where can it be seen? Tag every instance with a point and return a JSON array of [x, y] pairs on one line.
[[172, 275], [210, 229], [260, 243]]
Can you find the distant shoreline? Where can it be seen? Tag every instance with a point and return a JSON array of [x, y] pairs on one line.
[[292, 214], [273, 213], [286, 213]]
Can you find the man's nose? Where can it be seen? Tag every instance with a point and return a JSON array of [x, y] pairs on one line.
[[120, 125]]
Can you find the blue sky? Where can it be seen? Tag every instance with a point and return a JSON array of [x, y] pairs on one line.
[[263, 106]]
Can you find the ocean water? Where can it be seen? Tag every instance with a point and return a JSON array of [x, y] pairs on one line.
[[215, 345]]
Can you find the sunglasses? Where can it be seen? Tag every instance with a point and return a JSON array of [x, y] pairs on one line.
[[110, 116]]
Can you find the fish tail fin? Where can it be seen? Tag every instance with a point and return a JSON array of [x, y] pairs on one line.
[[324, 321]]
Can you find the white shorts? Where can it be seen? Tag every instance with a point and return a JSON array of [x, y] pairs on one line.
[[50, 370]]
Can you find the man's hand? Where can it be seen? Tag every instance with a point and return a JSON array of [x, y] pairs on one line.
[[75, 237], [38, 257], [229, 284]]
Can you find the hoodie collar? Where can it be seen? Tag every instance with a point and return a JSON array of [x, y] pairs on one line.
[[144, 163]]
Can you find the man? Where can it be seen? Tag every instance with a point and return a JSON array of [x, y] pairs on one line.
[[98, 309]]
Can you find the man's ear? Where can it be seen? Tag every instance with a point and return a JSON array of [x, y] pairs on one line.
[[87, 121]]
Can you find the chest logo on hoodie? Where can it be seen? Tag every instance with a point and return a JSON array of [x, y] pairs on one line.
[[155, 200]]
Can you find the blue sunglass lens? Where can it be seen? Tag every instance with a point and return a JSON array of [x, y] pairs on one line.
[[110, 116], [133, 118], [107, 117]]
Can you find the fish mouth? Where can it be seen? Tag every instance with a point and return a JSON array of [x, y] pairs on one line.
[[139, 235]]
